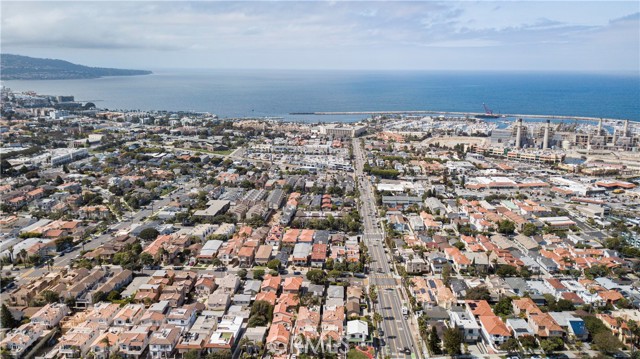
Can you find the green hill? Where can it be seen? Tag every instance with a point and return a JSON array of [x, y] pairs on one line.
[[17, 67]]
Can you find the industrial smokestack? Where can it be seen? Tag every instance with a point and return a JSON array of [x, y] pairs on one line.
[[545, 142], [625, 132], [614, 139], [599, 128], [518, 133]]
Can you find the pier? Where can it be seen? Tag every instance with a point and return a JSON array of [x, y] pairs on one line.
[[449, 113]]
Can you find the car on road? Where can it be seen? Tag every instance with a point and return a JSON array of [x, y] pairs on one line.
[[380, 332], [406, 350], [296, 273]]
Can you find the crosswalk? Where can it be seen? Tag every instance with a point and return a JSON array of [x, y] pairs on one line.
[[387, 286], [381, 276]]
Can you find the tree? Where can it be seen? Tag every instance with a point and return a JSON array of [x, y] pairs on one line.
[[529, 229], [528, 342], [216, 262], [146, 259], [258, 273], [242, 274], [551, 345], [274, 264], [192, 354], [223, 354], [606, 342], [50, 296], [506, 227], [6, 318], [446, 274], [505, 270], [373, 293], [503, 307], [478, 293], [149, 234], [316, 276], [511, 345], [452, 341], [261, 313], [433, 342], [5, 353]]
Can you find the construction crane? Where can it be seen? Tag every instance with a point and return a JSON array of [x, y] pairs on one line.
[[488, 113], [487, 110]]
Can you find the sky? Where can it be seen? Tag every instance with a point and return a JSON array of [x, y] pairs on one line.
[[589, 36]]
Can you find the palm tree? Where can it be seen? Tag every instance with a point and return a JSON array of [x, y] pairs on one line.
[[49, 263], [216, 262], [107, 344], [23, 255], [488, 253], [634, 328], [11, 254]]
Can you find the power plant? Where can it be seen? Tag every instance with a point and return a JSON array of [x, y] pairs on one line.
[[545, 136]]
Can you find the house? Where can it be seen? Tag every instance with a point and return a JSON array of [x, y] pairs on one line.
[[182, 317], [301, 253], [278, 339], [570, 324], [18, 340], [519, 327], [205, 286], [209, 251], [230, 283], [251, 287], [292, 285], [353, 308], [128, 316], [219, 301], [133, 343], [50, 315], [269, 297], [263, 255], [544, 326], [494, 331], [466, 324], [357, 331], [307, 322], [102, 314], [270, 283], [225, 335], [148, 293], [105, 344], [77, 341], [318, 255], [335, 291], [416, 265], [459, 260], [163, 341], [246, 255], [437, 261]]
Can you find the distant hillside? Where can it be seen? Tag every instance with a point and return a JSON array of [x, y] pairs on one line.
[[17, 67]]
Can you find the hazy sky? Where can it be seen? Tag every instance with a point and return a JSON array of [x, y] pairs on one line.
[[465, 35]]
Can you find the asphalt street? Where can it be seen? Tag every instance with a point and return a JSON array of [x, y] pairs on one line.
[[397, 332]]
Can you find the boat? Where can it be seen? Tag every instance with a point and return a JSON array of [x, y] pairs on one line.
[[488, 113]]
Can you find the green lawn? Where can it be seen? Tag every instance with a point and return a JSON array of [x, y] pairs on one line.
[[354, 354]]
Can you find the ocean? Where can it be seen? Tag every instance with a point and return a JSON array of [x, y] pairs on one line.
[[277, 93]]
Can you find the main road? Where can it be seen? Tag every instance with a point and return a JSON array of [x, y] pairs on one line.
[[397, 332]]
